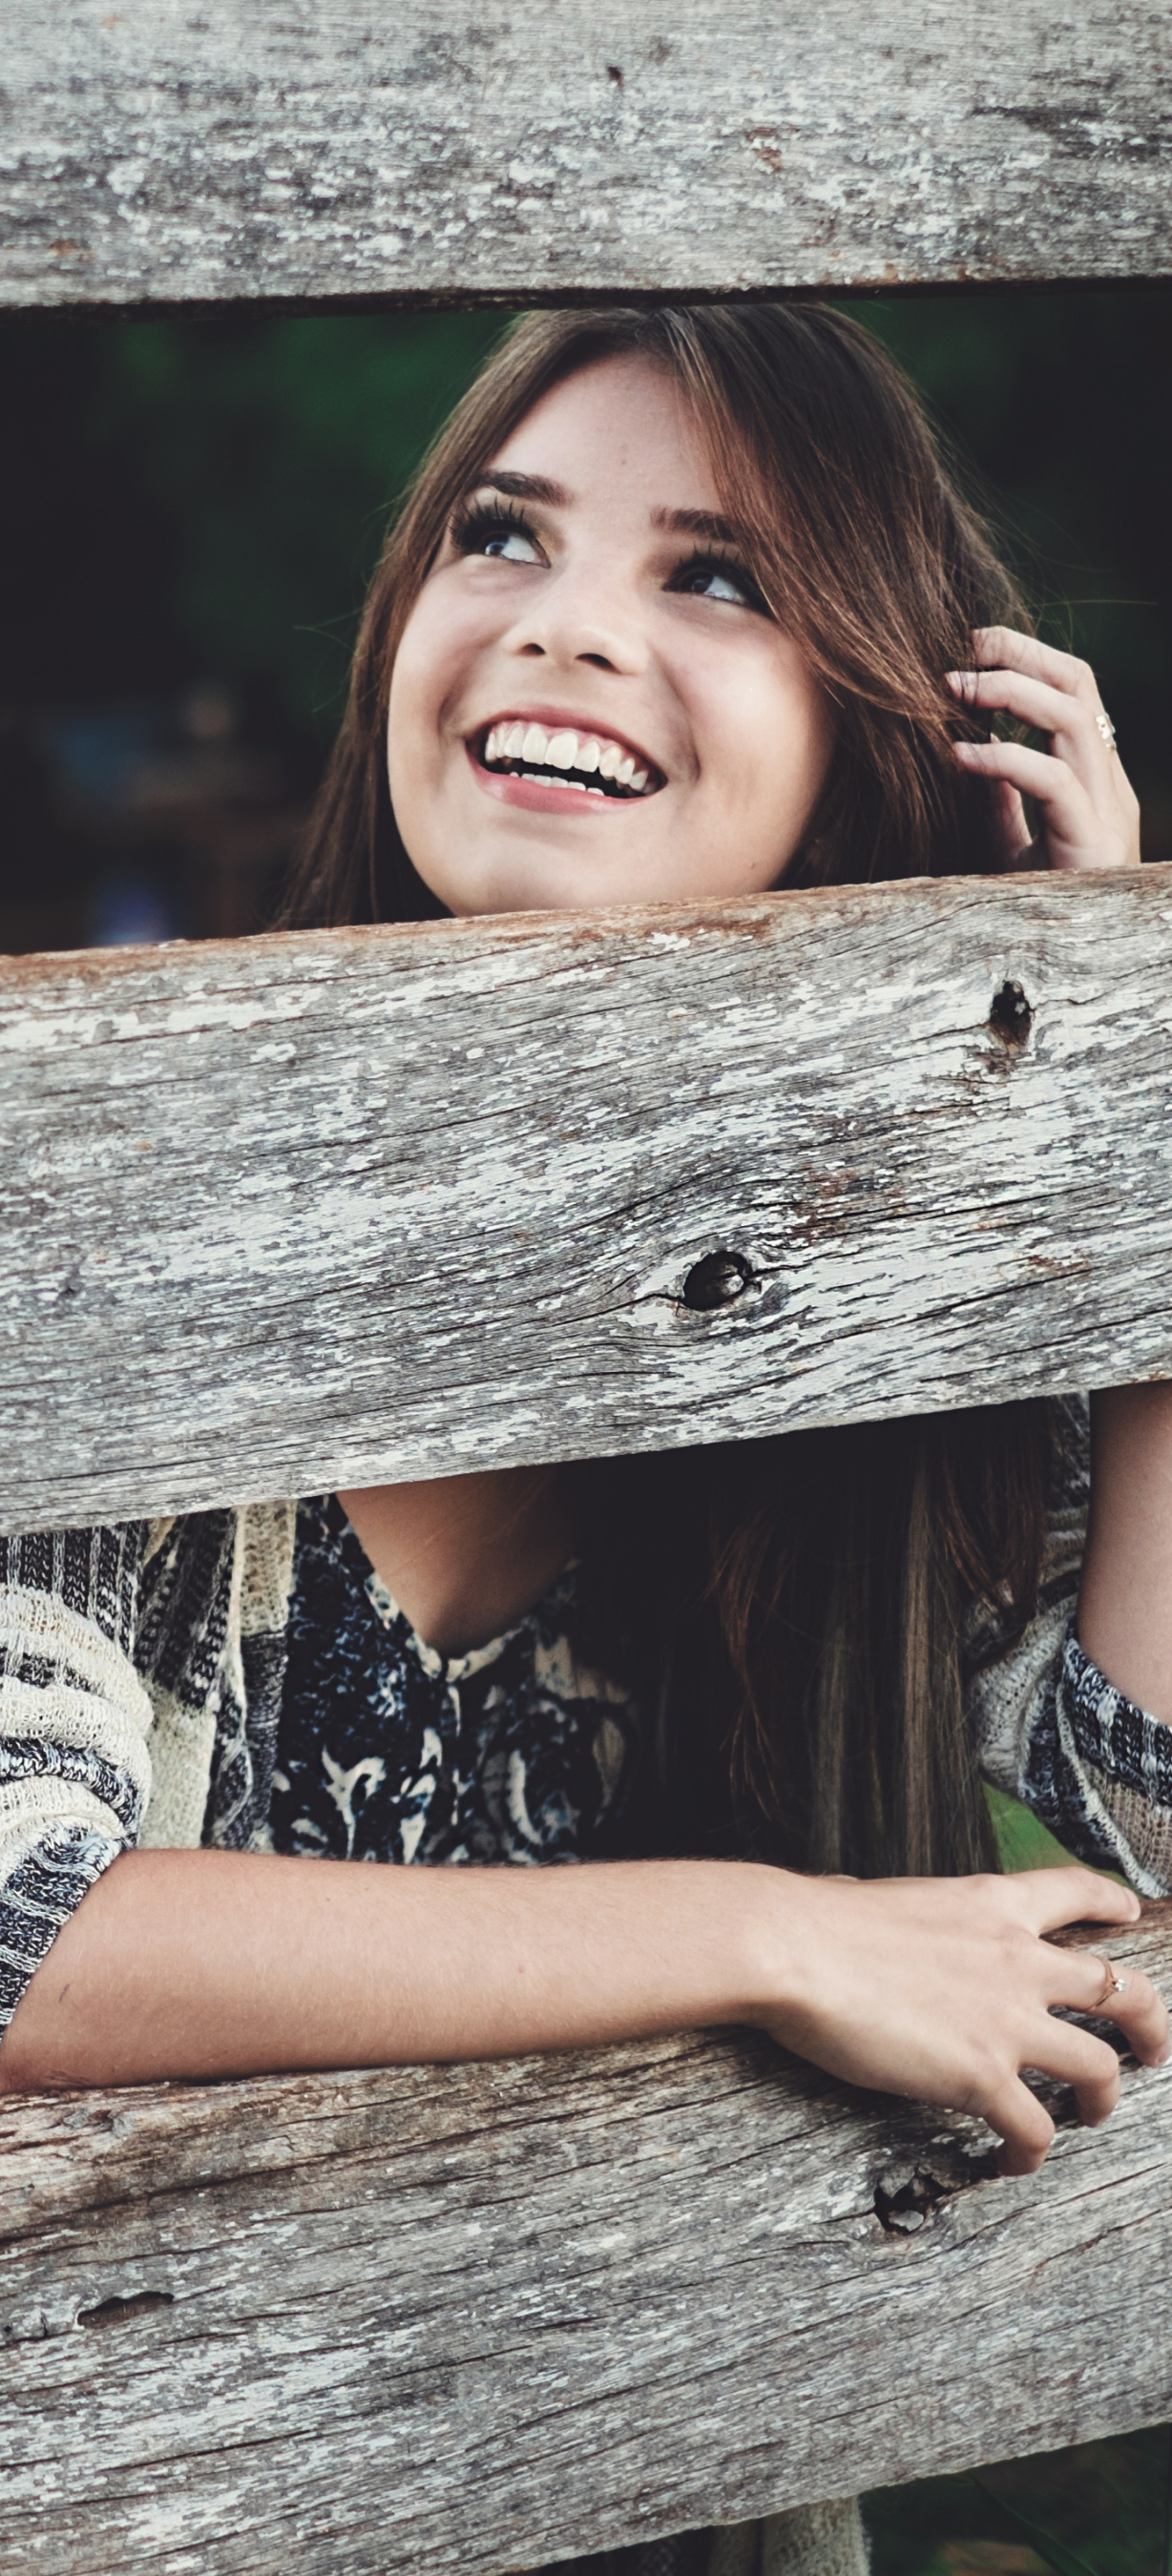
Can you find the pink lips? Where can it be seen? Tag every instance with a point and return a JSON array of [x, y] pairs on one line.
[[538, 798]]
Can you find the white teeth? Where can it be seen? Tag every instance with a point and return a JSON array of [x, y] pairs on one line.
[[566, 750]]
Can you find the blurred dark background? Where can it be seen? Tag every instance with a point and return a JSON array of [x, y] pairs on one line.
[[191, 508]]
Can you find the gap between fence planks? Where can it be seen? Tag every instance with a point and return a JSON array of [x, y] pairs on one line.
[[482, 2316], [329, 1209], [436, 153]]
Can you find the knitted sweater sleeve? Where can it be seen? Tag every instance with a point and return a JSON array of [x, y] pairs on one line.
[[1051, 1729], [74, 1718]]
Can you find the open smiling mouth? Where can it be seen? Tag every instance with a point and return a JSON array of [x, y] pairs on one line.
[[560, 757]]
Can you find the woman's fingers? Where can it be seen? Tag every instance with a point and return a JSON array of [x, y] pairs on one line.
[[1033, 773], [1026, 2129], [947, 1990], [1016, 838], [1052, 1898], [1089, 811], [1003, 647], [1090, 2066], [1069, 2055], [1134, 2006], [1142, 2016], [1081, 1979], [1076, 834], [1069, 721]]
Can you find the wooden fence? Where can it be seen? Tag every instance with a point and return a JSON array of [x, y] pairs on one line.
[[807, 1159], [437, 152], [473, 2317], [811, 1158]]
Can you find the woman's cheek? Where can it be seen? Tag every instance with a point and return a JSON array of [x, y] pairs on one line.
[[413, 773], [416, 689], [768, 738], [434, 669]]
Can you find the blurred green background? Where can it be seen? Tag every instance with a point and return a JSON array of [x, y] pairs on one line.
[[191, 507], [190, 510]]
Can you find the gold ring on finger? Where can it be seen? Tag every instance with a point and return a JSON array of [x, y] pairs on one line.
[[1105, 728], [1112, 1985]]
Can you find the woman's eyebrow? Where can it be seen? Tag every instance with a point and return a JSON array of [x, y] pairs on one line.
[[696, 523], [522, 487]]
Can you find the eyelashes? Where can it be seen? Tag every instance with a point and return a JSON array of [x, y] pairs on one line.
[[726, 567], [475, 524]]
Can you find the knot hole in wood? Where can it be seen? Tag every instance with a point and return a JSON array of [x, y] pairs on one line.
[[121, 2311], [909, 2194], [1011, 1016], [716, 1281]]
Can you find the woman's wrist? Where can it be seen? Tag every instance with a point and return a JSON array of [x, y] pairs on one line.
[[776, 1907]]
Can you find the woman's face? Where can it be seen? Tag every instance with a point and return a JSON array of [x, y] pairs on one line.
[[590, 704]]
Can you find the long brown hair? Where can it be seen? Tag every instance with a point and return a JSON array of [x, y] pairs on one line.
[[795, 1619], [792, 1611]]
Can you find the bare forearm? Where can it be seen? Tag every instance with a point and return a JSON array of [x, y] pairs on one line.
[[222, 1963], [1125, 1602]]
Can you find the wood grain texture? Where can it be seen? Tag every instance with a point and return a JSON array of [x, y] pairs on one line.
[[431, 152], [338, 1208], [480, 2316]]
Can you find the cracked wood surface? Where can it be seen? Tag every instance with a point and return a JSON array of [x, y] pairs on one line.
[[369, 2322], [432, 153], [346, 1207]]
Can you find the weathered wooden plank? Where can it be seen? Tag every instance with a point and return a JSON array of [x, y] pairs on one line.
[[478, 2316], [436, 152], [351, 1206]]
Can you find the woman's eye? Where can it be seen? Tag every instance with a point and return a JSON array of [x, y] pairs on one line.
[[509, 545], [497, 534], [708, 580]]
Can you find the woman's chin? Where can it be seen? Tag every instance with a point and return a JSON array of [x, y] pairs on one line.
[[508, 856], [538, 881]]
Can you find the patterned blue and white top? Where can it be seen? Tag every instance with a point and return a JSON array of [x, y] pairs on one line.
[[389, 1751]]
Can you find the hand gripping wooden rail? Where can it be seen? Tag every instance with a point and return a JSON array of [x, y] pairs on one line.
[[314, 1210], [476, 2317]]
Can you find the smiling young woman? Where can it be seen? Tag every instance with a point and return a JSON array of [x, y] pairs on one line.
[[682, 605], [601, 629]]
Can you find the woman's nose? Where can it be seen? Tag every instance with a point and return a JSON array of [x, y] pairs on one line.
[[581, 617]]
